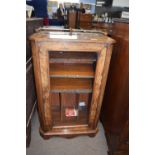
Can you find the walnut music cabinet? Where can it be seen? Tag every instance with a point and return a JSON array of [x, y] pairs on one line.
[[70, 73]]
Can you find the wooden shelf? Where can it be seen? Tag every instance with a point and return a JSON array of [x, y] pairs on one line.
[[71, 57], [70, 85], [72, 70], [79, 61]]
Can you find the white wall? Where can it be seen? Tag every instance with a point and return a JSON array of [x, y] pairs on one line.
[[122, 3]]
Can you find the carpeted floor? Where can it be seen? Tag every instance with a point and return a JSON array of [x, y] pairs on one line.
[[82, 145]]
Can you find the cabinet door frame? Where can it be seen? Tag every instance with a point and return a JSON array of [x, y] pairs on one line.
[[41, 68], [101, 72]]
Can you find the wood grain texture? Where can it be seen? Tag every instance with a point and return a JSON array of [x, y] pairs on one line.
[[72, 131], [45, 82], [71, 85], [71, 57], [72, 19], [116, 98], [71, 46], [105, 27], [104, 80], [55, 94], [36, 64], [97, 86], [72, 70], [115, 107], [85, 21]]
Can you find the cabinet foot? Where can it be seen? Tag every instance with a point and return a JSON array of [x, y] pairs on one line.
[[92, 135], [46, 137]]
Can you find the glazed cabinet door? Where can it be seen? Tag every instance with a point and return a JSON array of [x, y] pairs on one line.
[[71, 76], [70, 87]]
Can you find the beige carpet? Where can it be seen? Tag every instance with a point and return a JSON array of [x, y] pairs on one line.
[[82, 145]]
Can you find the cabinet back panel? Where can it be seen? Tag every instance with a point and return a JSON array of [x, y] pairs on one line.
[[75, 55], [62, 101]]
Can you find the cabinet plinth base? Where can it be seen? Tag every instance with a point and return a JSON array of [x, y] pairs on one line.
[[68, 132]]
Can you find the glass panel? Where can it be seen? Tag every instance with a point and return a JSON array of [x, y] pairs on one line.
[[71, 77]]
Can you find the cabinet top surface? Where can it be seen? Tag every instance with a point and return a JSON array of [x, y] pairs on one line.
[[71, 37]]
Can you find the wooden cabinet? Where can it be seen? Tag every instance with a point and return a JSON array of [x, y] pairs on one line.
[[72, 19], [70, 72], [85, 21], [31, 99], [106, 27], [115, 108], [31, 25]]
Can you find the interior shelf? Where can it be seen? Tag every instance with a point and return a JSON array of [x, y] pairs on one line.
[[72, 70], [71, 85], [71, 57], [65, 60]]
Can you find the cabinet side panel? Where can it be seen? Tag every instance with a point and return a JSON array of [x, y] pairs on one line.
[[103, 84], [45, 82], [97, 86], [36, 65]]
